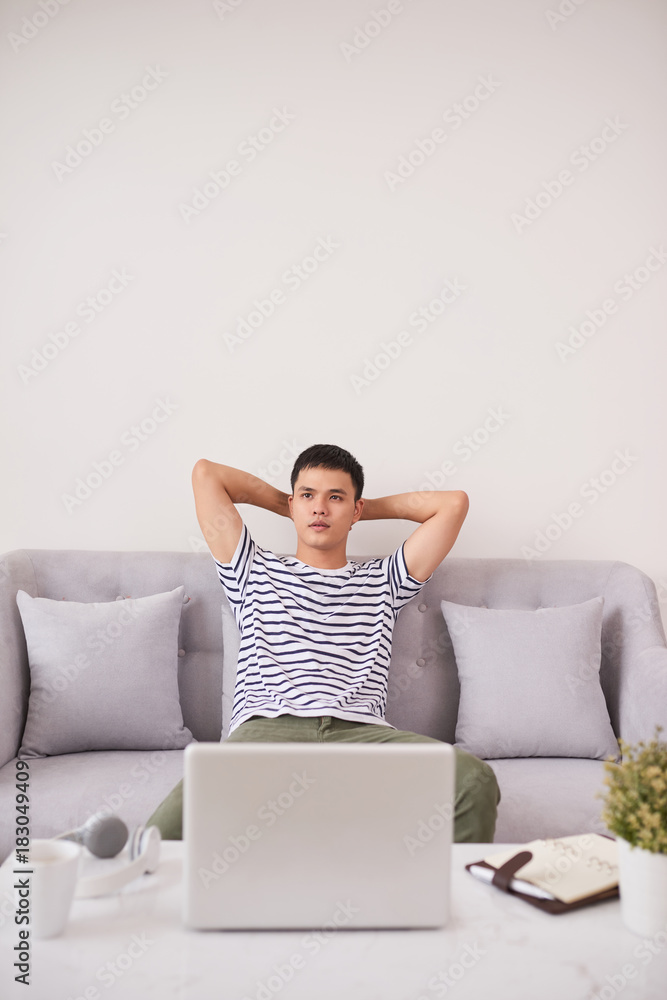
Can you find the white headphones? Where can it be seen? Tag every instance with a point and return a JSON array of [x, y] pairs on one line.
[[144, 853]]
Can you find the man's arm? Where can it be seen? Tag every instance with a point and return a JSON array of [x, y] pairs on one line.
[[441, 514], [217, 488]]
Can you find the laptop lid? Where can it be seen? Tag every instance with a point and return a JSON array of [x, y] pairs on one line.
[[313, 835]]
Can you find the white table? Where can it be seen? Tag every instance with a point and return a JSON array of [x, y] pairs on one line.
[[133, 945]]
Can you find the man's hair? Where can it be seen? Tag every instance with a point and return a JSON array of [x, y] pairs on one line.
[[328, 456]]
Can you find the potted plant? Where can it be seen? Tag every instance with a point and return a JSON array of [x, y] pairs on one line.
[[635, 810]]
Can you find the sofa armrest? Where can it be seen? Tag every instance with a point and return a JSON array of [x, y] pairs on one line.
[[15, 574], [643, 696]]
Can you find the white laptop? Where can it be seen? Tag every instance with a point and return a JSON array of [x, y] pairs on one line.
[[315, 835]]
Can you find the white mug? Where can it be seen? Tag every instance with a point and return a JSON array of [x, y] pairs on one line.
[[44, 886]]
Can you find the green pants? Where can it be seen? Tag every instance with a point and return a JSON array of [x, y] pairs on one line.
[[476, 797]]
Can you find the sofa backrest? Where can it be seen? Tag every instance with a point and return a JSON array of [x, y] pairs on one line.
[[423, 681]]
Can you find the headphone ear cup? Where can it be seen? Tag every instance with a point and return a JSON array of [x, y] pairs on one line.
[[144, 856], [145, 847], [149, 848], [134, 842]]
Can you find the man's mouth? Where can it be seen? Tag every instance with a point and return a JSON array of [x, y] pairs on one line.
[[319, 526]]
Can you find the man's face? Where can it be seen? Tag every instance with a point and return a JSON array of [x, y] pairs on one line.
[[324, 496]]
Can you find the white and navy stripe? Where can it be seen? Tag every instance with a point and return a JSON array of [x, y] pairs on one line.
[[313, 641]]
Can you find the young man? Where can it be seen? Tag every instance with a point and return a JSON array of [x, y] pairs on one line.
[[316, 629]]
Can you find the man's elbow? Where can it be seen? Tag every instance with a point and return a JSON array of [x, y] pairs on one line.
[[202, 471], [201, 467], [461, 501], [454, 506]]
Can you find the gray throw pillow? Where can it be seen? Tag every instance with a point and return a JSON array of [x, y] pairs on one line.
[[530, 681], [103, 676]]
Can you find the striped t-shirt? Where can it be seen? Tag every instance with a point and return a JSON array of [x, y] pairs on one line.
[[313, 641]]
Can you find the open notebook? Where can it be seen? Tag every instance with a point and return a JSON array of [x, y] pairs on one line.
[[557, 874]]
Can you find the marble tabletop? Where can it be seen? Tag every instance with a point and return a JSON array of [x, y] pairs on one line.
[[133, 945]]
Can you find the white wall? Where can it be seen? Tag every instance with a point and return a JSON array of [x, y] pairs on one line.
[[353, 108]]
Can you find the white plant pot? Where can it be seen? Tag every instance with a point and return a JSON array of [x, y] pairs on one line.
[[642, 877]]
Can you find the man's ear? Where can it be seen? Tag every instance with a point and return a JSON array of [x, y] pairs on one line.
[[358, 508]]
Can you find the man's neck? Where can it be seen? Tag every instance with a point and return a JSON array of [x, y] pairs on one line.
[[321, 558]]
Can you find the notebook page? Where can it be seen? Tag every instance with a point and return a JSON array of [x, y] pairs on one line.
[[571, 868]]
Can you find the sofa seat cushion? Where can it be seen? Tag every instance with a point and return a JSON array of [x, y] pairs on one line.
[[547, 797], [67, 789]]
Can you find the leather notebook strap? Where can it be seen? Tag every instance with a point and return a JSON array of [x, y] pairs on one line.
[[506, 872]]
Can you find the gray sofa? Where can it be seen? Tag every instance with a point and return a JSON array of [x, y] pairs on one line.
[[541, 796]]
